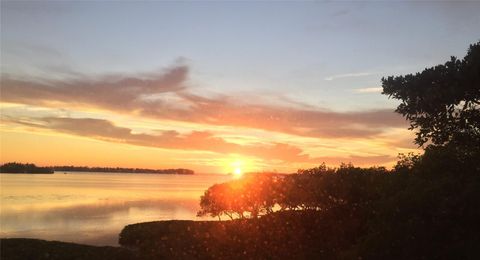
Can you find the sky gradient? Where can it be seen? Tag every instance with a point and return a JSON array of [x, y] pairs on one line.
[[215, 86]]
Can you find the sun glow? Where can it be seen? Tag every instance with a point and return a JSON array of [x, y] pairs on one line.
[[237, 167], [238, 172]]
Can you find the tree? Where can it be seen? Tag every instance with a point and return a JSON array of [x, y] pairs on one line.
[[216, 201], [442, 102]]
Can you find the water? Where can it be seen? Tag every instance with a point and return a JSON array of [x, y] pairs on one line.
[[92, 208]]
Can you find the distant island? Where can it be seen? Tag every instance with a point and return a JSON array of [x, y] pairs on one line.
[[122, 170], [14, 167]]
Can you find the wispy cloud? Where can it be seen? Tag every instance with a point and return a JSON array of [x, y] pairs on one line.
[[369, 90], [169, 139], [116, 92], [348, 75], [166, 96]]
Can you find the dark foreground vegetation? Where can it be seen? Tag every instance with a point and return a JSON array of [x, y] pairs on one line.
[[426, 207], [22, 248], [14, 167]]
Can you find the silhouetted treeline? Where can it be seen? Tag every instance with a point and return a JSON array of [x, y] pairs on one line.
[[121, 170], [324, 188], [427, 207], [14, 167], [318, 189]]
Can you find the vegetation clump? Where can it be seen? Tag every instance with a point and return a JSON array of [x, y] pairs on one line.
[[322, 213], [14, 167], [123, 170], [442, 102]]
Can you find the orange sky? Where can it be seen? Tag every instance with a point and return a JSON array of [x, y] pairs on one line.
[[214, 86], [113, 122]]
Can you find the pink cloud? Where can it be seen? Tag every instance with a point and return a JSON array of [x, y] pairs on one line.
[[141, 95], [196, 140]]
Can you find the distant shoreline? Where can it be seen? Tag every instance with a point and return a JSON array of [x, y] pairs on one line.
[[20, 168], [24, 168], [152, 173], [29, 173], [181, 171]]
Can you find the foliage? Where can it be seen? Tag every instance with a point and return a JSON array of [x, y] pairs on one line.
[[407, 162], [424, 208], [317, 189], [433, 213], [14, 167], [442, 102], [246, 197]]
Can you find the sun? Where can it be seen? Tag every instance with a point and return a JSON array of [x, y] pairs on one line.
[[238, 172], [238, 167]]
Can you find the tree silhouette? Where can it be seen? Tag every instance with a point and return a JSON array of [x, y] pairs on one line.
[[442, 102], [14, 167], [251, 196]]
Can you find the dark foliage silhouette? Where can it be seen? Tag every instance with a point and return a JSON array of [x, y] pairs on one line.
[[250, 196], [122, 170], [442, 102], [14, 167], [342, 213]]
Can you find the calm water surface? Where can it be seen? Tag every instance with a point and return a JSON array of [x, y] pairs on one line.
[[92, 208]]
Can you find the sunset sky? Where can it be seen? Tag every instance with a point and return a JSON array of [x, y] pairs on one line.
[[216, 86]]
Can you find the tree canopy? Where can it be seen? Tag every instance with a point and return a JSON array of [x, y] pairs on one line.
[[442, 102], [316, 189]]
